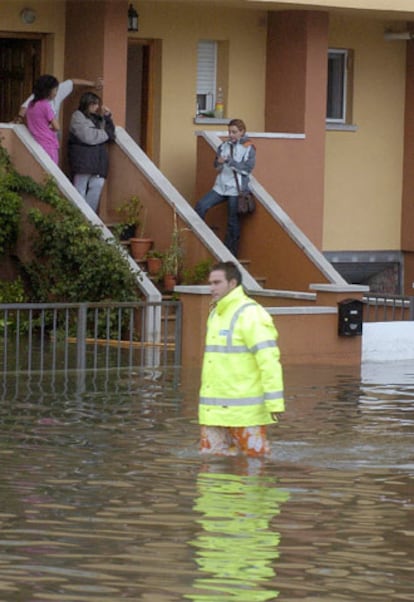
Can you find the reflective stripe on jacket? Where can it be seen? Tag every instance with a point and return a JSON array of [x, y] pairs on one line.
[[242, 380]]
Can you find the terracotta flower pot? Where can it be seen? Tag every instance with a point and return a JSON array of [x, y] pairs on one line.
[[154, 265], [169, 281], [139, 247]]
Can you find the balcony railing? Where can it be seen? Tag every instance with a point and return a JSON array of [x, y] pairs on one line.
[[386, 308]]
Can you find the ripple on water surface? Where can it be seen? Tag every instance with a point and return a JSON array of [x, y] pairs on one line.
[[104, 497]]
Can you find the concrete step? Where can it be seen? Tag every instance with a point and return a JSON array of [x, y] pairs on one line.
[[260, 280], [245, 263]]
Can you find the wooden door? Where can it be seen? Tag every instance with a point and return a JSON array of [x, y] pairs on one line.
[[20, 61], [143, 94]]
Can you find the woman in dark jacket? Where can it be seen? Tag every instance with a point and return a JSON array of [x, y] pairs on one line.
[[91, 127]]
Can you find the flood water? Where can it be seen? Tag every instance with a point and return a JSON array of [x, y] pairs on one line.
[[104, 497]]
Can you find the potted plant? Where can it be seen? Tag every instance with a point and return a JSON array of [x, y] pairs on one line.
[[154, 262], [131, 213], [169, 270], [198, 274], [173, 258], [135, 214]]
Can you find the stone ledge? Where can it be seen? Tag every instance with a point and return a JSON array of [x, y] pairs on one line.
[[339, 288], [286, 311]]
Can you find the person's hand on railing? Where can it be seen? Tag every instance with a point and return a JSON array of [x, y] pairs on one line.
[[18, 118]]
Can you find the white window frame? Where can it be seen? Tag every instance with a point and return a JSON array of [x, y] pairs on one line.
[[207, 51], [337, 86]]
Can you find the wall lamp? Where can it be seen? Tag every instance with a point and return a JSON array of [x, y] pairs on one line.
[[132, 19], [398, 35], [28, 16]]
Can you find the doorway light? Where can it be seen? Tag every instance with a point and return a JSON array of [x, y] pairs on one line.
[[28, 16], [132, 18]]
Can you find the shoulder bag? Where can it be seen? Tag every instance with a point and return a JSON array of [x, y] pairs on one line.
[[246, 201]]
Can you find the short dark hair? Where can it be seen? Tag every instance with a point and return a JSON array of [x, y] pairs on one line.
[[43, 87], [230, 270], [88, 98]]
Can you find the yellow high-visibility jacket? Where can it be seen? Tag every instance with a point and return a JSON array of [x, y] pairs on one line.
[[241, 381]]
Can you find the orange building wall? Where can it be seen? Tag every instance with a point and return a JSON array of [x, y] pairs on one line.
[[407, 218], [271, 251], [96, 46], [159, 216], [296, 102], [310, 339], [285, 86], [303, 338]]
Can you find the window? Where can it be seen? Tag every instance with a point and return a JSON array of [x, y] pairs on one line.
[[206, 75], [339, 86]]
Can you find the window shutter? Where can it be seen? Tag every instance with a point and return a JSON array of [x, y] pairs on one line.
[[206, 72]]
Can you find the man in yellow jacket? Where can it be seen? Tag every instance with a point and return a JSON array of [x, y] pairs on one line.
[[242, 381]]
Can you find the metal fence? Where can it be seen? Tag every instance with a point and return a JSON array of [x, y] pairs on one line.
[[35, 338], [386, 308], [89, 336]]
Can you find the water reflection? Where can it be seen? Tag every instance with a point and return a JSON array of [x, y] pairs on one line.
[[236, 549], [75, 384], [104, 497]]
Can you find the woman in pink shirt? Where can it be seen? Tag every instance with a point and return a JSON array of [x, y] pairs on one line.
[[40, 116]]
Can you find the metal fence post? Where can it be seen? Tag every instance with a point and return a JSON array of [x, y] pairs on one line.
[[411, 308], [81, 337], [178, 332]]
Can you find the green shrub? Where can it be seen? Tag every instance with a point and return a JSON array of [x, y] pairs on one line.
[[10, 207], [199, 273], [12, 292], [71, 262]]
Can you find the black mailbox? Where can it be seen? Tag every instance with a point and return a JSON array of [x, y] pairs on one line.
[[350, 318]]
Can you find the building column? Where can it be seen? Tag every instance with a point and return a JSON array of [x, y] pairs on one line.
[[296, 75], [96, 45], [296, 91], [407, 208]]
